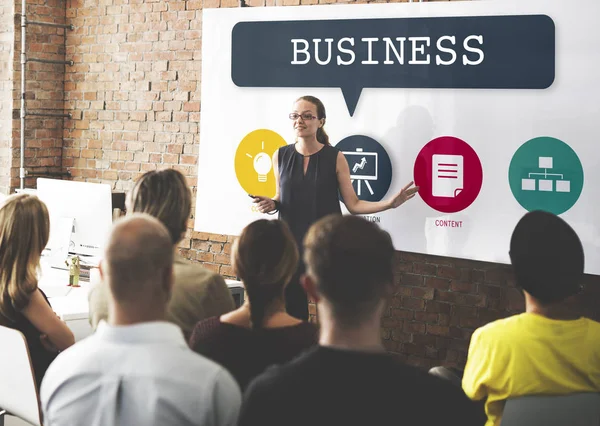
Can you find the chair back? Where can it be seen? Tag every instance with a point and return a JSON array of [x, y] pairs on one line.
[[578, 409], [18, 390]]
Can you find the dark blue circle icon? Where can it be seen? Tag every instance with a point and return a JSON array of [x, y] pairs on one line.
[[370, 166]]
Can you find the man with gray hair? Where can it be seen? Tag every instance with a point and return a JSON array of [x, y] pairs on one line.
[[137, 369]]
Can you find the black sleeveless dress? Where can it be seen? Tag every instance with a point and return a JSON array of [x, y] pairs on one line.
[[40, 357], [305, 198]]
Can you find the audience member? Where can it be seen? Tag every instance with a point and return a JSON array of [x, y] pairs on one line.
[[137, 369], [197, 293], [349, 379], [24, 232], [548, 349], [260, 333]]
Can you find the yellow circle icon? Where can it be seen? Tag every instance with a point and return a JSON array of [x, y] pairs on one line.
[[253, 164]]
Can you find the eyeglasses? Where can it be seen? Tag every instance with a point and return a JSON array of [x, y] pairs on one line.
[[306, 116]]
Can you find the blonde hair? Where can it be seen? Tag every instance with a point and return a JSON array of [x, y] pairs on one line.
[[24, 232], [165, 195], [265, 258]]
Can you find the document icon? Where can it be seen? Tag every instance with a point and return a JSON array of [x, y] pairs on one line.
[[448, 172]]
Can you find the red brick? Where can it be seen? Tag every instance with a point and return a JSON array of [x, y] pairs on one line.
[[222, 259], [403, 267], [496, 275], [424, 269], [437, 307], [493, 292], [399, 336], [438, 330], [216, 247], [477, 276], [218, 238], [402, 313], [403, 291], [461, 299], [448, 272], [205, 257], [464, 311], [411, 279], [414, 327], [427, 317], [422, 293], [462, 287], [438, 283], [425, 340], [413, 304]]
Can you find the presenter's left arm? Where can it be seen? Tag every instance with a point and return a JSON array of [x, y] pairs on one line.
[[356, 206]]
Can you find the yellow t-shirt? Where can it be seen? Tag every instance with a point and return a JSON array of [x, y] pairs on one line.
[[530, 354]]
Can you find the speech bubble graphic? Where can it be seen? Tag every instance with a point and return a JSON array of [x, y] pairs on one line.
[[479, 52]]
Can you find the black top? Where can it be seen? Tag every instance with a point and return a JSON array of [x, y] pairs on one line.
[[40, 357], [305, 198], [245, 352], [328, 386]]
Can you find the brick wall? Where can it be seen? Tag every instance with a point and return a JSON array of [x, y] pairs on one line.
[[44, 93], [134, 92], [7, 40]]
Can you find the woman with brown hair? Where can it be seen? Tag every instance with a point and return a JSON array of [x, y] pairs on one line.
[[198, 293], [310, 174], [24, 232], [260, 333]]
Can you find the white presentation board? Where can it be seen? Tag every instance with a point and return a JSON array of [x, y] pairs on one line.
[[490, 106]]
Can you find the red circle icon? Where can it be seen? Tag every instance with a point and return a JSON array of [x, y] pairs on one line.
[[449, 174]]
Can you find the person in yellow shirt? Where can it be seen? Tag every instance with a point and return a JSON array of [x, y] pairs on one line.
[[548, 350]]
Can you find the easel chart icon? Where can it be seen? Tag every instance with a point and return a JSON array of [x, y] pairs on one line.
[[363, 167]]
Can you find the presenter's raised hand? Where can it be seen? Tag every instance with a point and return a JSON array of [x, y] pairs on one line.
[[264, 204], [405, 194]]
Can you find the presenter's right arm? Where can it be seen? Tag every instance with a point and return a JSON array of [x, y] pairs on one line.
[[43, 318], [266, 204]]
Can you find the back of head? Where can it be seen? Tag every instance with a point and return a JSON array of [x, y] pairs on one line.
[[24, 232], [547, 257], [138, 260], [351, 261], [165, 195], [265, 258]]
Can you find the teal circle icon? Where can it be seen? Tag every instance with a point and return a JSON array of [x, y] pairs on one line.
[[546, 174]]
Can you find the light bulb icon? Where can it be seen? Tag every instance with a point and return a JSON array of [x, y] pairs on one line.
[[262, 165]]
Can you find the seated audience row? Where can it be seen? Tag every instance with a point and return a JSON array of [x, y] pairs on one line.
[[169, 348], [136, 368]]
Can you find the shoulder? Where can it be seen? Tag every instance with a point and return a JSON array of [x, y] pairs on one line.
[[190, 273], [78, 359], [277, 378], [287, 148], [593, 325], [307, 331], [205, 330], [499, 329]]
